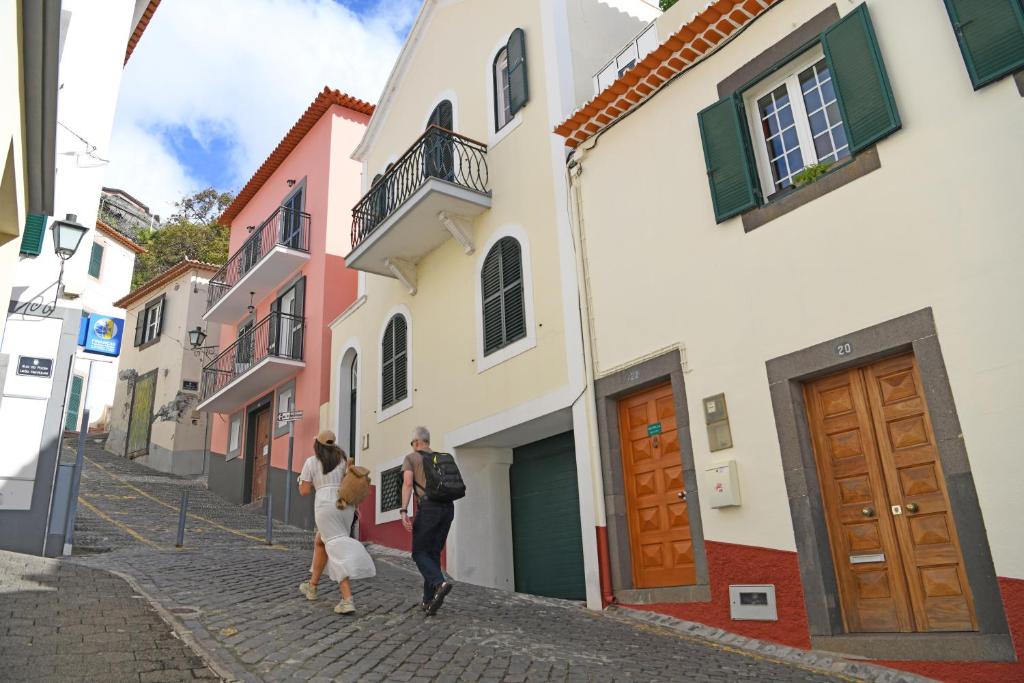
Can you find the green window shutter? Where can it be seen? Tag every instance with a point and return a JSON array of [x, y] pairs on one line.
[[518, 87], [991, 37], [95, 260], [862, 86], [728, 158], [74, 404], [32, 237]]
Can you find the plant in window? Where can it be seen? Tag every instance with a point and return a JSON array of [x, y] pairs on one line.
[[811, 173]]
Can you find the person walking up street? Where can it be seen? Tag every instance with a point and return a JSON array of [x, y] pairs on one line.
[[344, 557], [430, 523]]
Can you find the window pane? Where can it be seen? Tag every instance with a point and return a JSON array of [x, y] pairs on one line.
[[823, 113], [812, 100], [839, 135], [819, 123], [785, 114], [796, 161], [823, 147], [790, 138]]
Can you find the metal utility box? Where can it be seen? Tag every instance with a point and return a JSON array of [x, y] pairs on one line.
[[722, 485], [755, 602], [716, 417]]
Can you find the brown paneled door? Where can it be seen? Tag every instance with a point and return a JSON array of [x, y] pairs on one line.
[[261, 454], [652, 468], [893, 537]]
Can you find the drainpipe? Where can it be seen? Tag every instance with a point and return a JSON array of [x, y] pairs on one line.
[[574, 169]]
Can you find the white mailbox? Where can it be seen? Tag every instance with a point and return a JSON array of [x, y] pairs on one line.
[[723, 484]]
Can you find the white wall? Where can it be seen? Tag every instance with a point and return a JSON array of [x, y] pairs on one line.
[[90, 77]]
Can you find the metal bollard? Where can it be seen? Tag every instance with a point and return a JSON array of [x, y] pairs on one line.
[[181, 519], [270, 520]]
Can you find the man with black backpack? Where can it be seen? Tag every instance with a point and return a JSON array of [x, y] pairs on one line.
[[438, 483]]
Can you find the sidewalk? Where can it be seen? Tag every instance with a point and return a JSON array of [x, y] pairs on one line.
[[64, 622], [235, 601]]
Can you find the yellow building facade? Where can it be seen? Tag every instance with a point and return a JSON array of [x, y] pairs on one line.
[[468, 319]]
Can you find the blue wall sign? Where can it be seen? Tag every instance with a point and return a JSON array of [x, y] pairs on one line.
[[101, 334]]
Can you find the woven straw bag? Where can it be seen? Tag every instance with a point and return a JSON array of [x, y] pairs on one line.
[[355, 486]]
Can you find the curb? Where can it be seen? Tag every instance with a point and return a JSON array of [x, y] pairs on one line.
[[192, 634], [812, 660]]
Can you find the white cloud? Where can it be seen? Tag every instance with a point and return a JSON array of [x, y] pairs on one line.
[[245, 69]]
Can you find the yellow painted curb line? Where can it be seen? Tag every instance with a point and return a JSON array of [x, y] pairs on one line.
[[172, 507], [120, 525]]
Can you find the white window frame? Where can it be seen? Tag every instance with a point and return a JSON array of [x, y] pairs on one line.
[[390, 515], [789, 77], [234, 423], [151, 322], [496, 136], [285, 391], [484, 363], [405, 403]]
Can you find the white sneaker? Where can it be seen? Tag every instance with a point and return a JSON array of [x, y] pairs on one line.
[[344, 607], [307, 589]]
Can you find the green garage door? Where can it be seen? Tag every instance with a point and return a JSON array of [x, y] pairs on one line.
[[547, 546]]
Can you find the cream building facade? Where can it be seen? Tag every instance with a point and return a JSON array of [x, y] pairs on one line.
[[443, 215], [154, 418], [834, 357]]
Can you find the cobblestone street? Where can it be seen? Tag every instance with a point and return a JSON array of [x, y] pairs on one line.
[[235, 601]]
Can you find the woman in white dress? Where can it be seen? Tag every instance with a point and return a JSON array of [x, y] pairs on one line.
[[344, 557]]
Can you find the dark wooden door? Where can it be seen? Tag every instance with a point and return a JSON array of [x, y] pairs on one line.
[[652, 467], [897, 571], [260, 454]]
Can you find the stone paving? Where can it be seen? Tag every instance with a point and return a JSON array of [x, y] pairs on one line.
[[235, 601], [64, 622]]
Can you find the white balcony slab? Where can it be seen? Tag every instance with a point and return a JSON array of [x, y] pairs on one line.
[[251, 384], [269, 273], [415, 228]]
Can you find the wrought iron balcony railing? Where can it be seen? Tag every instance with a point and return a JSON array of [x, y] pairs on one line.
[[438, 153], [284, 227], [278, 335]]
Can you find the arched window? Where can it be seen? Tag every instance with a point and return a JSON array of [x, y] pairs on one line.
[[511, 90], [394, 385], [502, 110], [439, 153], [504, 306]]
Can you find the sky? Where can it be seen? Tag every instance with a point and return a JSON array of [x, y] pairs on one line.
[[214, 85]]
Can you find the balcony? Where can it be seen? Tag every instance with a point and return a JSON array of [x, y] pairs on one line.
[[276, 248], [430, 194], [261, 357]]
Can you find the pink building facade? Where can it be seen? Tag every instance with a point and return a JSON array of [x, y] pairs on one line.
[[284, 281]]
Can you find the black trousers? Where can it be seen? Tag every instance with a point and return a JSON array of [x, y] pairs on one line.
[[429, 532]]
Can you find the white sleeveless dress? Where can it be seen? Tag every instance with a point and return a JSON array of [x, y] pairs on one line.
[[346, 557]]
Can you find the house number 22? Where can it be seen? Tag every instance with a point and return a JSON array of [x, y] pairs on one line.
[[844, 349]]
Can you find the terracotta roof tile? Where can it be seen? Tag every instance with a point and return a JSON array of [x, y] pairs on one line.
[[324, 101], [140, 28], [694, 40], [169, 275], [121, 239]]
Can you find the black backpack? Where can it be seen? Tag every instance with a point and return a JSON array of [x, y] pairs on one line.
[[444, 480]]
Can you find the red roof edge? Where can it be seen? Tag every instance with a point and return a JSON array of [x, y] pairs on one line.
[[140, 28], [323, 101]]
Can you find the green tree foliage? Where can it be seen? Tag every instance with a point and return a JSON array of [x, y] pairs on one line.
[[191, 232], [665, 4]]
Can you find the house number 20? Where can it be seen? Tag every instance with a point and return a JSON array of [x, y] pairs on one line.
[[844, 349]]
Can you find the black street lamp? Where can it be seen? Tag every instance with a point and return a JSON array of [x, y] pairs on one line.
[[196, 338], [67, 235]]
